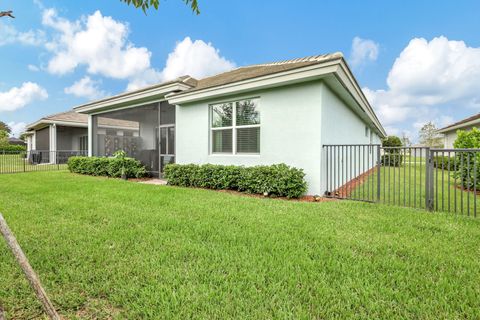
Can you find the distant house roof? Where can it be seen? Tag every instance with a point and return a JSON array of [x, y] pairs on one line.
[[16, 141], [475, 119], [75, 119]]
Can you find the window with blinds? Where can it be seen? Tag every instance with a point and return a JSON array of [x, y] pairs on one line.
[[235, 127]]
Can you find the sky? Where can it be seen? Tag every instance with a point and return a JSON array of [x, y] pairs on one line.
[[416, 61]]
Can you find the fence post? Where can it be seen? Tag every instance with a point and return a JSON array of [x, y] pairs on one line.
[[379, 166], [25, 158], [429, 191]]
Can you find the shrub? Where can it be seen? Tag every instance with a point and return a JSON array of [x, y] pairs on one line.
[[108, 167], [392, 157], [276, 180], [444, 163], [468, 163], [12, 148]]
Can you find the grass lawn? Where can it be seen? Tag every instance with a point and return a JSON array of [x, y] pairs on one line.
[[108, 248], [405, 186]]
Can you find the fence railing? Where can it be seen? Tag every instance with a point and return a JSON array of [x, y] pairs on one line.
[[35, 160], [418, 177]]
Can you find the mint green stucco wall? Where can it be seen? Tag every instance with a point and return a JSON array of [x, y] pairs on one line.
[[290, 131], [341, 125], [295, 122]]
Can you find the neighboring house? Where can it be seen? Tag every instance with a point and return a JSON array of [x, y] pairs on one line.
[[450, 132], [280, 112], [16, 142], [66, 133]]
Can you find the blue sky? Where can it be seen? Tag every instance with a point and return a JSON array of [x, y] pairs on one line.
[[416, 60]]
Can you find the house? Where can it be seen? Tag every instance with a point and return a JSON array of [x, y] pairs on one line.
[[16, 142], [55, 137], [281, 112], [450, 132]]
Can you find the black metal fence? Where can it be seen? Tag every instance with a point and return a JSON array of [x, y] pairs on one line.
[[35, 160], [434, 179]]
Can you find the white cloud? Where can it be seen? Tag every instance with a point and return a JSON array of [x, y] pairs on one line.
[[101, 44], [194, 58], [98, 42], [10, 35], [427, 76], [86, 88], [17, 98], [33, 68], [17, 128], [363, 50]]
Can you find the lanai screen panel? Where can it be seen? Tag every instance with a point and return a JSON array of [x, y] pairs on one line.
[[133, 130], [70, 138], [42, 139]]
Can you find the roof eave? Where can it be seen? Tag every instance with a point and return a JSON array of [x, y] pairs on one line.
[[42, 123], [143, 95], [336, 67], [459, 126]]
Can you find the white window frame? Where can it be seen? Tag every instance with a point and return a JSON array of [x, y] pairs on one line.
[[233, 127]]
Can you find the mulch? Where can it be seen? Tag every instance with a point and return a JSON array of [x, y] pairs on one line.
[[345, 190]]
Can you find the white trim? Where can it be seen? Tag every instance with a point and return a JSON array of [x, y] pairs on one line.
[[336, 67], [272, 80], [90, 135], [459, 126], [125, 98], [234, 127], [145, 103], [34, 126]]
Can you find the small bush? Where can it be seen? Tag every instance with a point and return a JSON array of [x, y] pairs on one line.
[[12, 148], [444, 163], [392, 159], [468, 161], [393, 154], [277, 180], [108, 167]]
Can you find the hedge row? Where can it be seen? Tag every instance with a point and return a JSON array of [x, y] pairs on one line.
[[392, 160], [445, 163], [108, 167], [12, 148], [276, 180]]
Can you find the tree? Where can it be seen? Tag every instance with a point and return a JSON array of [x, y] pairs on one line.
[[392, 154], [23, 137], [3, 138], [5, 127], [406, 140], [392, 142], [429, 136], [146, 4]]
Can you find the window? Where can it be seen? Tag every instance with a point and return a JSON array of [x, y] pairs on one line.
[[366, 131], [235, 127]]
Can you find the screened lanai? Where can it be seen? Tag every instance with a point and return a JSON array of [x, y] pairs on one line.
[[72, 139], [146, 133]]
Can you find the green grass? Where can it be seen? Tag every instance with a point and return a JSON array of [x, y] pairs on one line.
[[108, 248], [405, 186], [14, 163]]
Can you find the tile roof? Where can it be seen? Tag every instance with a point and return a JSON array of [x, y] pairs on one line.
[[259, 70], [68, 116], [80, 118], [466, 120]]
